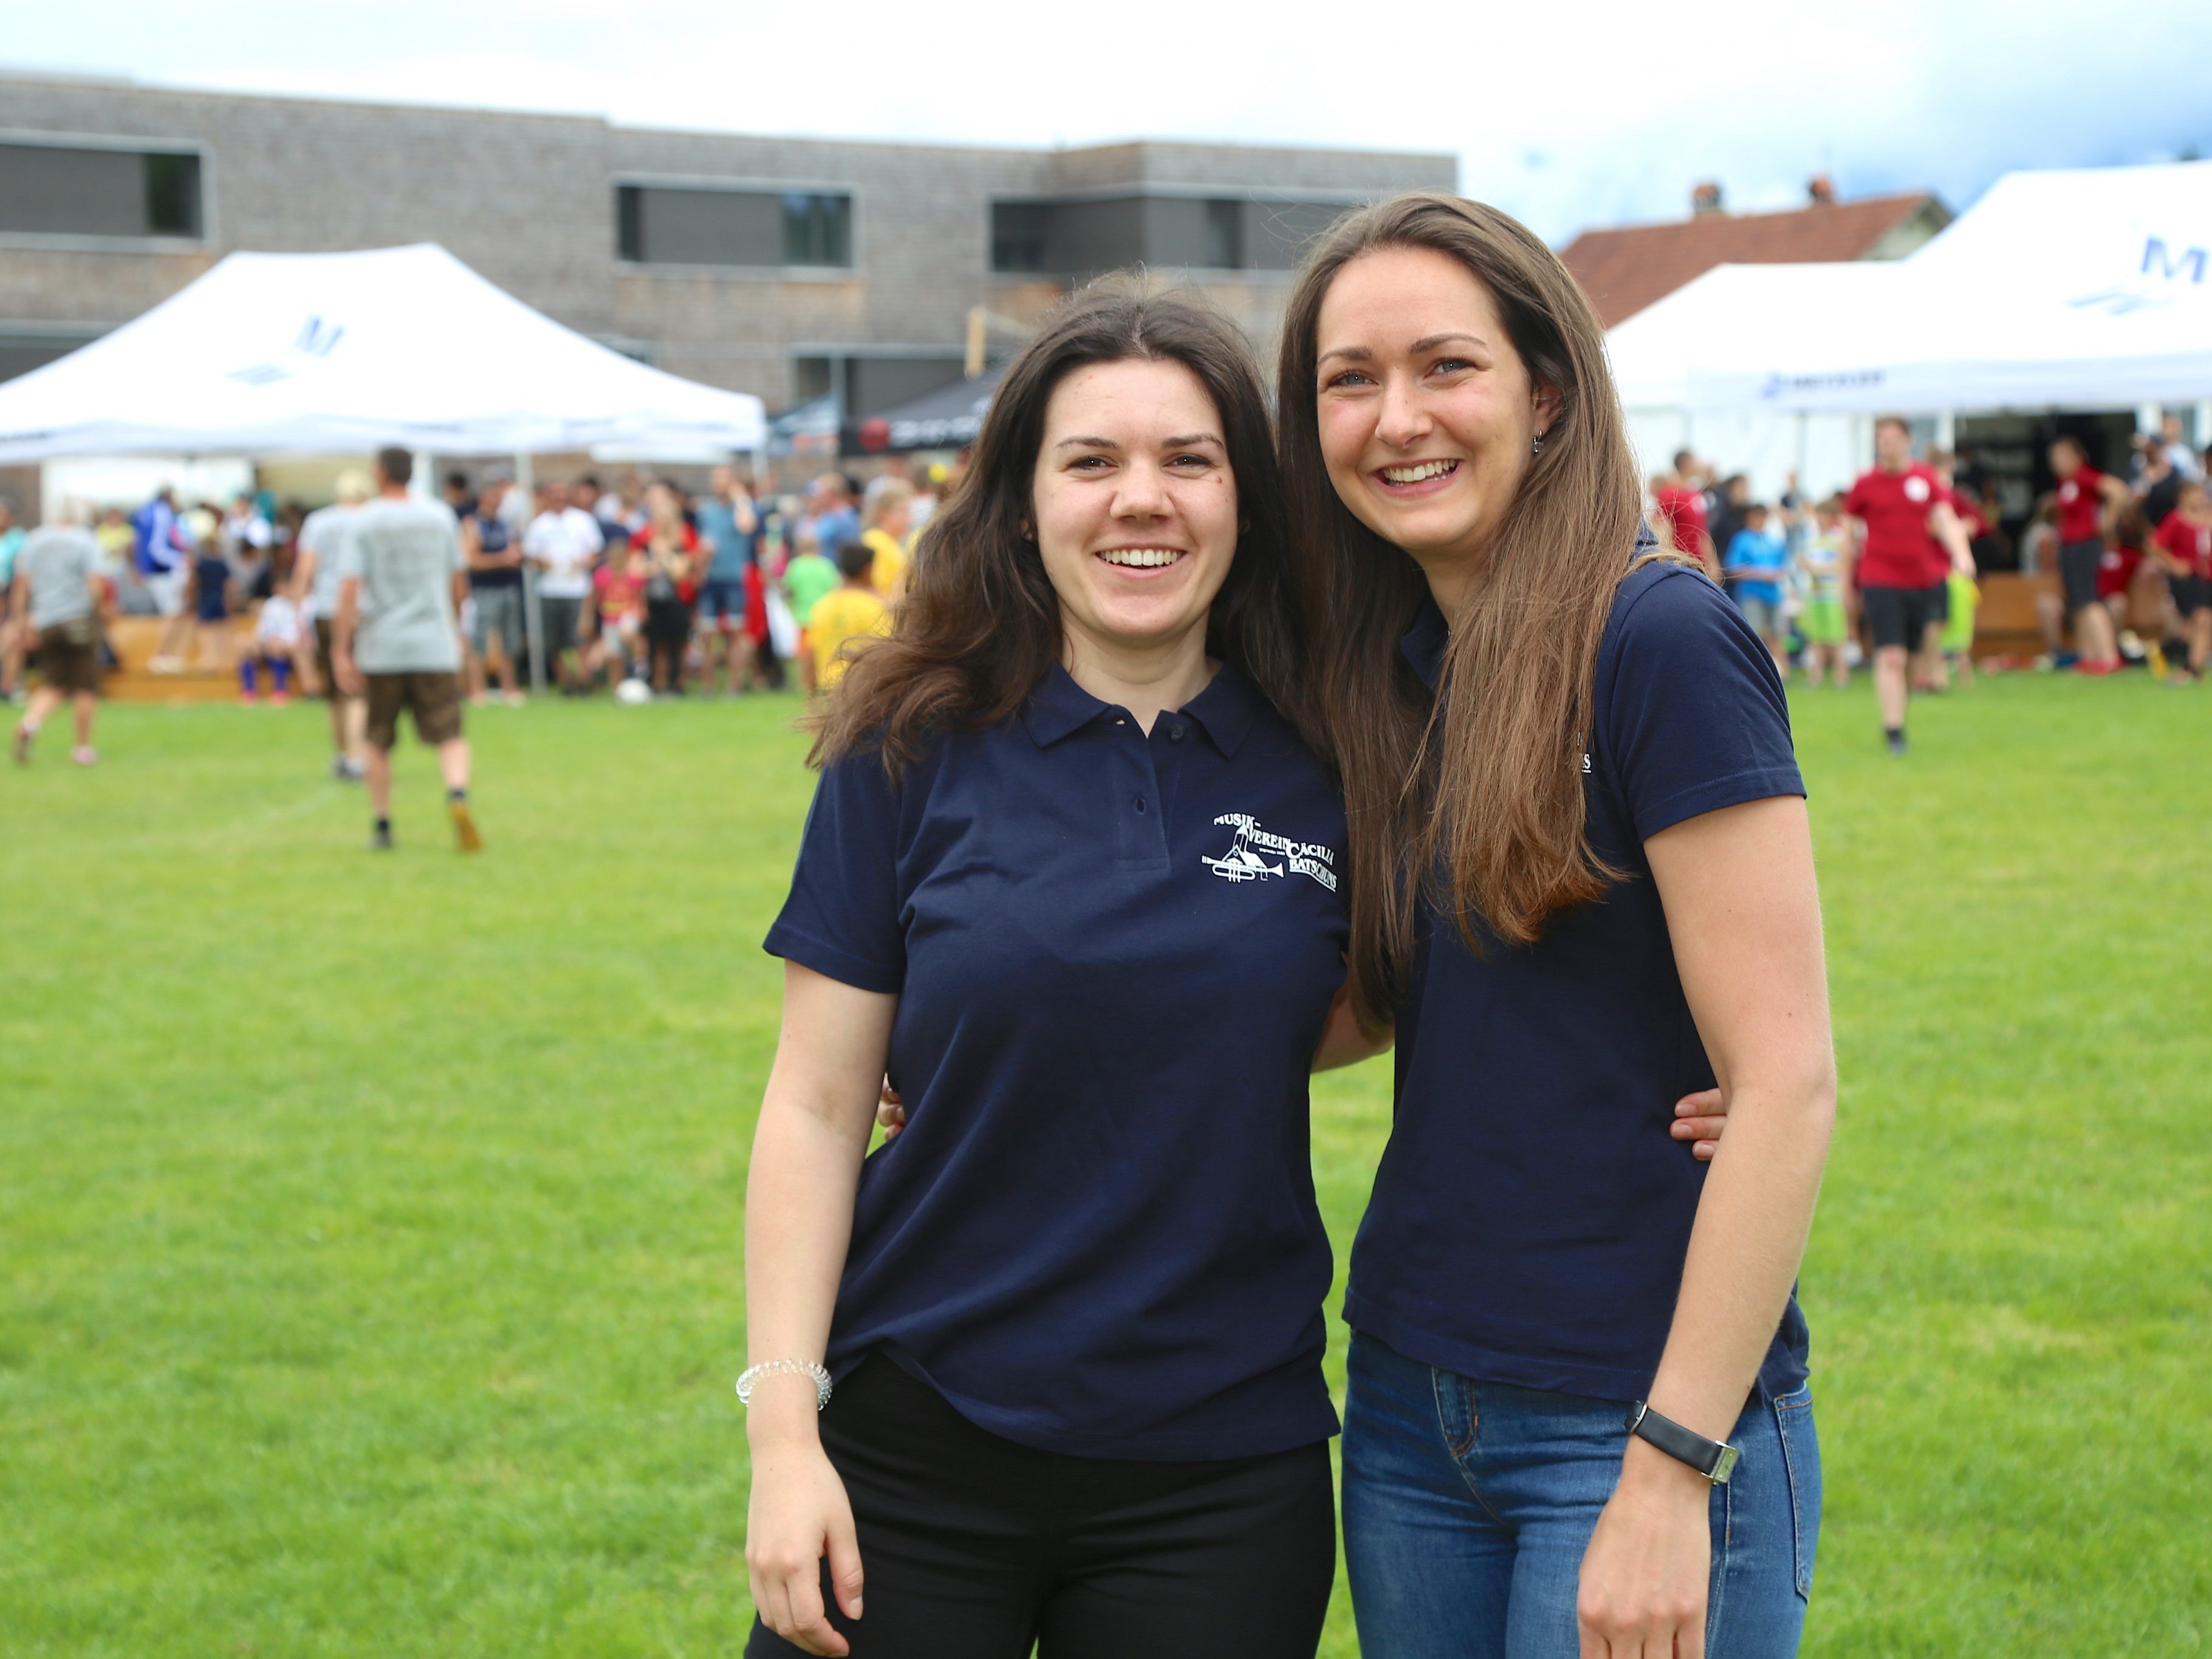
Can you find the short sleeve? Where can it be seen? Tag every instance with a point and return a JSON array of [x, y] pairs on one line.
[[1856, 502], [1693, 715], [842, 918]]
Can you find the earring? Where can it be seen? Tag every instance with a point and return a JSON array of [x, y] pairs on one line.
[[1536, 444]]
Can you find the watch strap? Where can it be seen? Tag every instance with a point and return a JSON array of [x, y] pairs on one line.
[[1714, 1458]]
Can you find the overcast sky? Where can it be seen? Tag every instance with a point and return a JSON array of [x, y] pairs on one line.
[[1569, 115]]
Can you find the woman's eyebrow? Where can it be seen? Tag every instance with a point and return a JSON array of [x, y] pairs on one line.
[[1189, 439], [1433, 341], [1083, 442], [1356, 354]]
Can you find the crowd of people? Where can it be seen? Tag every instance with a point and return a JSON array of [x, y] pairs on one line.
[[1896, 559]]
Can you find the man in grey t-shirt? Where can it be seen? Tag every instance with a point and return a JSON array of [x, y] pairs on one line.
[[395, 641], [315, 574], [57, 592]]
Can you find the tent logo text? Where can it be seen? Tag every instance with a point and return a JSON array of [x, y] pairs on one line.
[[2155, 282], [316, 340]]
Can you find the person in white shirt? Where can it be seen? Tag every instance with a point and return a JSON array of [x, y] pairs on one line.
[[314, 594], [561, 544]]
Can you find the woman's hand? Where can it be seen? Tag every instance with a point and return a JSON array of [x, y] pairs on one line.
[[1700, 1118], [799, 1513], [1646, 1573]]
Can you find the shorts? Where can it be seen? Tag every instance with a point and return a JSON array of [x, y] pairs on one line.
[[722, 605], [69, 664], [498, 611], [1899, 616], [558, 618], [2190, 593], [2077, 572], [1764, 614], [432, 698], [326, 672], [667, 621], [1821, 621], [1939, 600], [167, 589], [214, 604], [977, 1547]]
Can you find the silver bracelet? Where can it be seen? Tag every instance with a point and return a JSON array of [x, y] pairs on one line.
[[752, 1374]]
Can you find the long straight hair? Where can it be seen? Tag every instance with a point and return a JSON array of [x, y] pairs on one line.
[[1472, 796], [979, 627]]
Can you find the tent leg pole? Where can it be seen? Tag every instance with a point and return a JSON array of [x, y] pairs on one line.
[[533, 619]]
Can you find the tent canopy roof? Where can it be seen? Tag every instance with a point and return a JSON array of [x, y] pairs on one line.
[[2085, 289], [320, 353]]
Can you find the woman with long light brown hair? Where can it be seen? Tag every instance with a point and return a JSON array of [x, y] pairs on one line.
[[1581, 883]]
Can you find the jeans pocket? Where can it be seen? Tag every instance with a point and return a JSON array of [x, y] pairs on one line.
[[1801, 1462]]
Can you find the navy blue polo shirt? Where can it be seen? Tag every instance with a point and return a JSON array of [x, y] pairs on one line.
[[1113, 955], [1532, 1212]]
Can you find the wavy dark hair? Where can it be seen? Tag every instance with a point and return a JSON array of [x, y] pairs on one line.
[[979, 627], [1473, 794]]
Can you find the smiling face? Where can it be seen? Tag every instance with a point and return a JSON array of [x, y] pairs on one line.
[[1134, 504], [1426, 411]]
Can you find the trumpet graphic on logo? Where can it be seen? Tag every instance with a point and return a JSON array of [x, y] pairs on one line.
[[1247, 857]]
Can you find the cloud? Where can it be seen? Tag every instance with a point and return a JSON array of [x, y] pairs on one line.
[[1607, 118]]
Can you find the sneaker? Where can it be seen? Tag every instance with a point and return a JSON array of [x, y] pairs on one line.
[[379, 840], [85, 755], [22, 745], [279, 699], [1895, 740], [465, 827]]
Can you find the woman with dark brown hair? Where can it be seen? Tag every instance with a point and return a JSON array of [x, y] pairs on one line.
[[1071, 879], [1581, 883]]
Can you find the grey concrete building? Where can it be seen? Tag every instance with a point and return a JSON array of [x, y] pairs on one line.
[[788, 268]]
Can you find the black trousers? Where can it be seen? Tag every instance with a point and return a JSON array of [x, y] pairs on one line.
[[975, 1547]]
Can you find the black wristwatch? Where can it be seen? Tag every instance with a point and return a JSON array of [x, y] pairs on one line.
[[1714, 1458]]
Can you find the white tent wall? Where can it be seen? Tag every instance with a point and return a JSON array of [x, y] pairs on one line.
[[130, 481]]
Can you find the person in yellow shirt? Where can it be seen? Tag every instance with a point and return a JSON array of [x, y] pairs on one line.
[[888, 515], [851, 611]]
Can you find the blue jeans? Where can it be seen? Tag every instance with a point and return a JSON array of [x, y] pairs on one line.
[[1467, 1506]]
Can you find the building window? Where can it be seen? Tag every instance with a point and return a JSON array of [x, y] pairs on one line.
[[1078, 239], [675, 225], [817, 229], [55, 190]]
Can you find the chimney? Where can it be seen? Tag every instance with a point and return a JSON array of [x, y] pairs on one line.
[[1705, 200], [1820, 190]]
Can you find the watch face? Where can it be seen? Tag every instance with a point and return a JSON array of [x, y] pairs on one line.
[[1724, 1465]]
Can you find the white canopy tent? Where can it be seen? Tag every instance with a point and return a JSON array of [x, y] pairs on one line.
[[333, 353], [2089, 288]]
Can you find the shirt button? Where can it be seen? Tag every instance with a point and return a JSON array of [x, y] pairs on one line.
[[1140, 803], [1174, 734]]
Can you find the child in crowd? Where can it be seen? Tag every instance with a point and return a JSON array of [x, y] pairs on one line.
[[276, 635], [1755, 561], [1822, 552], [807, 579], [2184, 547], [617, 605], [851, 611], [2126, 536], [207, 601], [1958, 637]]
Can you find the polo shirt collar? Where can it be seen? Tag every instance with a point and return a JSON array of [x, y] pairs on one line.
[[1225, 710], [1423, 644]]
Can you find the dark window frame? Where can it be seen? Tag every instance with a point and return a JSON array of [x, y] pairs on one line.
[[815, 230], [173, 193]]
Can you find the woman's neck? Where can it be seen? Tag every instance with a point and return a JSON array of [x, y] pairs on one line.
[[1148, 680], [1454, 579]]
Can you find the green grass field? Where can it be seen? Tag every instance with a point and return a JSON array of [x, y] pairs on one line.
[[369, 1272]]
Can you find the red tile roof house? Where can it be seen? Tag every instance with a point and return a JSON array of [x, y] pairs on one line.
[[1625, 270]]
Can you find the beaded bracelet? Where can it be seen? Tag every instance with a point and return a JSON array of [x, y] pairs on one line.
[[752, 1374]]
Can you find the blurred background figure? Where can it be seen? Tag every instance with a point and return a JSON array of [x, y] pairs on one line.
[[57, 592], [11, 625], [730, 534], [318, 565], [497, 634]]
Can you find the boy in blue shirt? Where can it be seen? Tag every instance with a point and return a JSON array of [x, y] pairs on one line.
[[1755, 560]]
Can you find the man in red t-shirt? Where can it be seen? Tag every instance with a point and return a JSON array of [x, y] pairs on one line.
[[2183, 543], [2082, 495], [1907, 541], [1678, 506]]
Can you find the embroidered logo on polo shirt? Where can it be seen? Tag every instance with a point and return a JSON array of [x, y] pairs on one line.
[[1256, 855]]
